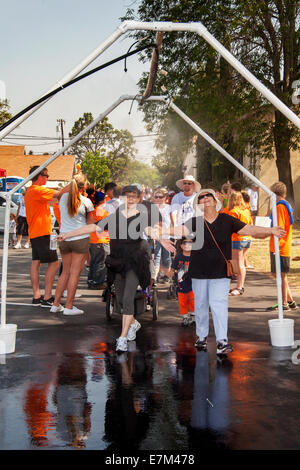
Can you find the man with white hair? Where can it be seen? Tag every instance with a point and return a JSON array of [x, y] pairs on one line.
[[182, 203]]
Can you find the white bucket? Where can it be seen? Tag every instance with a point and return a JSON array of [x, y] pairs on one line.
[[7, 339], [282, 332]]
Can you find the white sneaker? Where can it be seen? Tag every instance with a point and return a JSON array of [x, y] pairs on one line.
[[72, 311], [57, 309], [17, 246], [77, 295], [121, 345], [134, 327], [26, 245]]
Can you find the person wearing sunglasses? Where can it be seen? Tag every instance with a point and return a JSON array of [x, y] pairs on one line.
[[162, 257], [182, 203], [37, 198], [208, 267]]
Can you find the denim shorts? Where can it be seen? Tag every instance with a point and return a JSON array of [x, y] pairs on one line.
[[162, 256], [241, 244]]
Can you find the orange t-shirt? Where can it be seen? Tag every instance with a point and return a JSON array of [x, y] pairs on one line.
[[243, 215], [38, 213], [99, 213], [285, 243]]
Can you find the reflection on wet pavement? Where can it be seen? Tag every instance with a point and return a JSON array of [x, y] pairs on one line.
[[161, 395]]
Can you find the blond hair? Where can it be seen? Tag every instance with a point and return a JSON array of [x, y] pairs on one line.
[[77, 186], [279, 189], [236, 200]]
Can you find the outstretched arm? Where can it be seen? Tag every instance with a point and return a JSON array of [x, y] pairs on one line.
[[262, 232]]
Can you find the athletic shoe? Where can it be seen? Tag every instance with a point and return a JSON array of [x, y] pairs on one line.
[[185, 321], [192, 320], [37, 302], [26, 245], [121, 345], [77, 295], [72, 311], [133, 329], [223, 347], [284, 307], [17, 246], [57, 309], [293, 304], [48, 302], [201, 344]]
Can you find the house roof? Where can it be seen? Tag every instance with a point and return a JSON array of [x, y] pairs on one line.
[[13, 160]]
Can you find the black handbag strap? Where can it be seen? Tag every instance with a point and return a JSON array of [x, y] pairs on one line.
[[215, 241]]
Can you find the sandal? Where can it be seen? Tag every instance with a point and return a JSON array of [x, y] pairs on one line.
[[239, 292]]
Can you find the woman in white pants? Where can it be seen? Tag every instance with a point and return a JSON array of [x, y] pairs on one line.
[[208, 267]]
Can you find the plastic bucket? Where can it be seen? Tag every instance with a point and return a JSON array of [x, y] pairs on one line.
[[282, 332], [8, 339]]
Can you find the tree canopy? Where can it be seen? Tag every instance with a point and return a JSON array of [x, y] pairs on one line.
[[4, 112], [115, 147], [264, 36]]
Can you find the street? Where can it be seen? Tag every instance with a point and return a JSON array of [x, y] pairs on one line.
[[64, 387]]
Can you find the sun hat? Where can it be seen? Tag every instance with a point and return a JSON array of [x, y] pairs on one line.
[[211, 191], [179, 183]]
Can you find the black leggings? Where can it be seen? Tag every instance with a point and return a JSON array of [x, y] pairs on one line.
[[125, 292]]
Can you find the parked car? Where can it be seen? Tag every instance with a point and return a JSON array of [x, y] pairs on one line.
[[13, 208]]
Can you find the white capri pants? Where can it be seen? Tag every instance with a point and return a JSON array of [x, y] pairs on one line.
[[211, 293]]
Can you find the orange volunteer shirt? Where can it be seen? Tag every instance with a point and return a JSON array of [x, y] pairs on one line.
[[285, 243], [99, 213], [243, 215], [38, 213]]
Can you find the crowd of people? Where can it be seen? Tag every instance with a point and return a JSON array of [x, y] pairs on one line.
[[133, 235]]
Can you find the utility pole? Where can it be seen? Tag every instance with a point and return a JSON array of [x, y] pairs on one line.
[[61, 123]]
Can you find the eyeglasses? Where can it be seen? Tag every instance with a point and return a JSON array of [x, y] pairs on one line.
[[186, 182], [159, 197], [46, 176], [204, 195]]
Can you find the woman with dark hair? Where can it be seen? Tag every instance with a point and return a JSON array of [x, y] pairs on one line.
[[130, 254], [75, 211]]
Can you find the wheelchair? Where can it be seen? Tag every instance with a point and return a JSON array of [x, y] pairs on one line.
[[145, 300], [172, 290]]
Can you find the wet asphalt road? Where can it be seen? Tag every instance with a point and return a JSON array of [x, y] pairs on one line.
[[64, 387]]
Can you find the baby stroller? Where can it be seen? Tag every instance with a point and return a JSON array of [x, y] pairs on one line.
[[172, 290], [145, 300]]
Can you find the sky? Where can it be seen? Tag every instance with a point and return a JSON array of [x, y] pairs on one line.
[[42, 40]]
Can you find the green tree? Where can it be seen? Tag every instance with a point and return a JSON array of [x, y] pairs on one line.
[[117, 146], [4, 112], [96, 168], [141, 173], [264, 36]]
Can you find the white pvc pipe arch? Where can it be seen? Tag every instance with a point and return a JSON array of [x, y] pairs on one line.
[[197, 28], [87, 129]]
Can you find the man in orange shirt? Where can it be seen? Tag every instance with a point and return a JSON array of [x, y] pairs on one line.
[[285, 220], [38, 216]]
